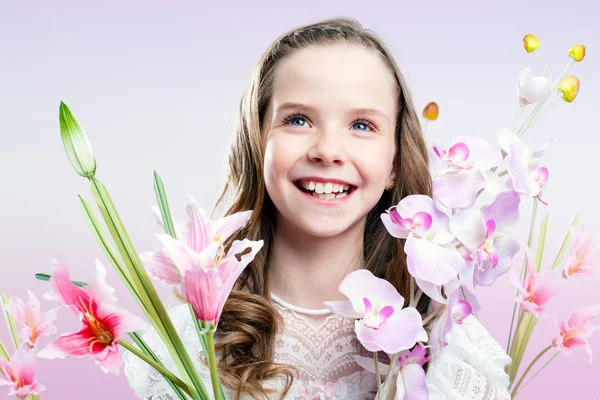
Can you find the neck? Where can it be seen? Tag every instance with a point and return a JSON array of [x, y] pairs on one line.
[[306, 270]]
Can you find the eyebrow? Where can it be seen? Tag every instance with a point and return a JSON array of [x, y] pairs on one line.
[[305, 107]]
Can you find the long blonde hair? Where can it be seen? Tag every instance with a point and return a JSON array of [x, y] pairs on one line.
[[246, 335]]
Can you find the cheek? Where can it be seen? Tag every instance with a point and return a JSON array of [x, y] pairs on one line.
[[374, 161], [280, 156]]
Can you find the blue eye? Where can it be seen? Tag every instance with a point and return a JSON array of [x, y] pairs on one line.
[[297, 119], [363, 125]]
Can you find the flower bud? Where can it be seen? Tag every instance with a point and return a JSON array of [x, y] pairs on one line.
[[577, 52], [531, 43], [569, 88], [76, 143], [431, 111]]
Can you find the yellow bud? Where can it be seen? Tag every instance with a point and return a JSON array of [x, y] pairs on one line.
[[431, 111], [531, 43], [569, 88], [577, 52]]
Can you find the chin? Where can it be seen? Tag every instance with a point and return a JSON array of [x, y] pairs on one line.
[[322, 228]]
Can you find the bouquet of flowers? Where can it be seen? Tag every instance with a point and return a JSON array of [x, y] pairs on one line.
[[454, 243]]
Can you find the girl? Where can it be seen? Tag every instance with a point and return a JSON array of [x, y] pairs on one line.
[[327, 139]]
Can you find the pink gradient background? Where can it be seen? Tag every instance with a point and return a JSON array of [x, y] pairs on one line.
[[156, 86]]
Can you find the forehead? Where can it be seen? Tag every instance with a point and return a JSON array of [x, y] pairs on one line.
[[336, 76]]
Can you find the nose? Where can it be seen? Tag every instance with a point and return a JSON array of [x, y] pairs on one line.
[[328, 149]]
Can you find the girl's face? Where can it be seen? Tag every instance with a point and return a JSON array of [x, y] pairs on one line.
[[329, 145]]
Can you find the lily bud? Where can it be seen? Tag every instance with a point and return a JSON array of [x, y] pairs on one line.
[[531, 43], [431, 111], [569, 88], [577, 52], [76, 143]]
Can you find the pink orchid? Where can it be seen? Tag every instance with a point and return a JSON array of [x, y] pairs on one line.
[[382, 322], [468, 162], [410, 383], [31, 321], [179, 255], [318, 391], [530, 88], [577, 330], [432, 258], [536, 290], [102, 321], [527, 177], [208, 280], [19, 374], [481, 232], [582, 255]]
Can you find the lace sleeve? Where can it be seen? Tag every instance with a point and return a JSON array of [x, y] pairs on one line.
[[145, 380], [470, 367]]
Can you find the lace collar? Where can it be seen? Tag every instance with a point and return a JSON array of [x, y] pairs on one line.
[[301, 310]]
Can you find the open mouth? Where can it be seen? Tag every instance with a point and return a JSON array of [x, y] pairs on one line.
[[325, 190]]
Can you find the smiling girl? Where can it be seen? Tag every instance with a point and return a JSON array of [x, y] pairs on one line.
[[327, 139]]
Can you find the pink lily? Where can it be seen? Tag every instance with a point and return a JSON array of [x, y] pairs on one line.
[[208, 280], [410, 383], [382, 323], [31, 321], [19, 374], [536, 290], [582, 255], [179, 255], [432, 258], [102, 322], [527, 177], [531, 89], [577, 330], [468, 162], [481, 233]]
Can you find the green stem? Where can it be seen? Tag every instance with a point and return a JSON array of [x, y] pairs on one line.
[[161, 369], [4, 352], [538, 371], [523, 339], [389, 377], [565, 243], [521, 108], [537, 55], [377, 374], [529, 367], [212, 359], [10, 323]]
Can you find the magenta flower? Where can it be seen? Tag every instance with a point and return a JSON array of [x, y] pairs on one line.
[[577, 330], [536, 290], [19, 374], [102, 322], [179, 255], [30, 320], [382, 323], [209, 279], [481, 232], [468, 162], [582, 255], [432, 258]]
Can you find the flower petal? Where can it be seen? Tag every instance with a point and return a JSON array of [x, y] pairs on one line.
[[228, 225], [362, 283], [413, 381], [159, 264], [504, 210], [506, 250], [343, 309], [199, 234], [468, 227], [458, 189], [399, 333], [431, 262]]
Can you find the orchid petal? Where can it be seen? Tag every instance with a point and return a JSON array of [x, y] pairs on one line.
[[506, 249], [343, 309], [362, 283], [368, 364], [458, 189], [413, 382], [504, 210], [431, 262], [468, 227]]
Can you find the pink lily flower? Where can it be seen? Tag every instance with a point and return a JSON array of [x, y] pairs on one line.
[[432, 258], [468, 162], [30, 320], [102, 322], [577, 330], [481, 232], [536, 290], [527, 177], [531, 89], [382, 322], [410, 383], [208, 280], [179, 255], [582, 255], [19, 374]]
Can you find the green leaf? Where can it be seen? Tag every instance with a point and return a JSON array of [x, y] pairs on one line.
[[10, 322], [163, 204], [76, 143], [565, 244], [541, 243], [46, 277], [3, 351]]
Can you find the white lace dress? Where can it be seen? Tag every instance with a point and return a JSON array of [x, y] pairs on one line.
[[321, 346]]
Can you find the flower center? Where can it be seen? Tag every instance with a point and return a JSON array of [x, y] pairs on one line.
[[100, 330], [376, 316]]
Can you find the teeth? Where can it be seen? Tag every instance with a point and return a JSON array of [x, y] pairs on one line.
[[311, 186], [319, 188], [329, 196], [328, 188]]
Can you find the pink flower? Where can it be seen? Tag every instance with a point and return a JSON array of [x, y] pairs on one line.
[[31, 321], [577, 330], [19, 374], [383, 324], [432, 258], [102, 321], [582, 255], [208, 280], [179, 255], [536, 290], [318, 391]]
